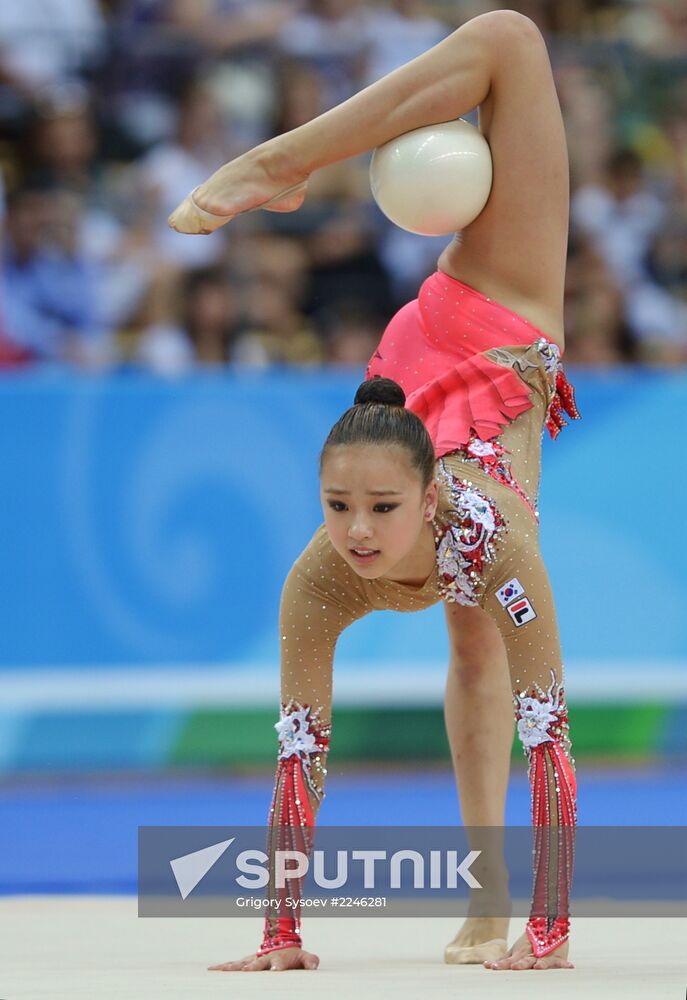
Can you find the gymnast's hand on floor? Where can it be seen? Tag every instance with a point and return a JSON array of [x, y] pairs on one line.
[[273, 961], [521, 957]]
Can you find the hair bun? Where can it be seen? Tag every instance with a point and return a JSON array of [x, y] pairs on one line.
[[380, 390]]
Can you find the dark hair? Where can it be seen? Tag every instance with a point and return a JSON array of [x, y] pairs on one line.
[[18, 196], [623, 161], [379, 416]]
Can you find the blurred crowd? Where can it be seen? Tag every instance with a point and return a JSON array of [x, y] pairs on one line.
[[112, 110]]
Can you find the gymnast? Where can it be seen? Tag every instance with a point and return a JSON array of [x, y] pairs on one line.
[[429, 483]]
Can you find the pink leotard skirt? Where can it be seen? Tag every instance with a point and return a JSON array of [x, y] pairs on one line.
[[434, 347]]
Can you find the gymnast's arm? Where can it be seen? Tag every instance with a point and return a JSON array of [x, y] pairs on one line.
[[321, 597]]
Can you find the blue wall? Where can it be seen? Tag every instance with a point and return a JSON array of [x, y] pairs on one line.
[[147, 522]]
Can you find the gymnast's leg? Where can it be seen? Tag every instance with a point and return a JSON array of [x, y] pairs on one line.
[[497, 61], [530, 633], [479, 724], [448, 80], [492, 555]]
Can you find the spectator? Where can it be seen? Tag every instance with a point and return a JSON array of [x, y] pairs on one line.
[[275, 331], [396, 33], [587, 109], [107, 126], [159, 46], [62, 141], [330, 35], [280, 260], [231, 26], [622, 218], [44, 43], [301, 95], [595, 332], [11, 354], [668, 257], [62, 152], [190, 322], [655, 27], [50, 303], [346, 267], [352, 335]]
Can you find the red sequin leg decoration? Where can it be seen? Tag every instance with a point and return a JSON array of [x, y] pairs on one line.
[[543, 729], [554, 833], [292, 818]]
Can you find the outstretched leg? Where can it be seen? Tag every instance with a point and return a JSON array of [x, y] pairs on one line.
[[450, 79], [515, 249]]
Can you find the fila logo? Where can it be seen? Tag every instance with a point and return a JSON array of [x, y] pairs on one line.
[[521, 612], [509, 592]]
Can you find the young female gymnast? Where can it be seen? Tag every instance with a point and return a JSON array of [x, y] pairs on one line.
[[477, 369]]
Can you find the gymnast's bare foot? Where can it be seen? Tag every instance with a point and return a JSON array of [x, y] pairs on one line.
[[480, 940], [260, 178], [521, 956], [273, 961]]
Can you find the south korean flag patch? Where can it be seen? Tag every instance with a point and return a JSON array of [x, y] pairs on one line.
[[521, 612], [509, 592]]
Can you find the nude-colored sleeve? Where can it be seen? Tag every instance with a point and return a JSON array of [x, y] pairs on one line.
[[321, 597]]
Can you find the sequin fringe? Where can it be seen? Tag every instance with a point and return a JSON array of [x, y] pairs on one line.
[[563, 401], [544, 734], [301, 737]]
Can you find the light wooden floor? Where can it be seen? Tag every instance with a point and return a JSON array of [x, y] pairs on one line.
[[97, 948]]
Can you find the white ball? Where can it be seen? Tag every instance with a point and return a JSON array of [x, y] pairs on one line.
[[435, 180]]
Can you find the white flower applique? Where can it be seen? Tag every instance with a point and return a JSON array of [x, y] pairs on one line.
[[536, 716], [467, 544], [550, 354], [480, 449], [452, 563], [294, 733], [478, 509]]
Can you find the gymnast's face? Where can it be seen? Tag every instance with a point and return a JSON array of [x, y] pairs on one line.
[[377, 513]]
